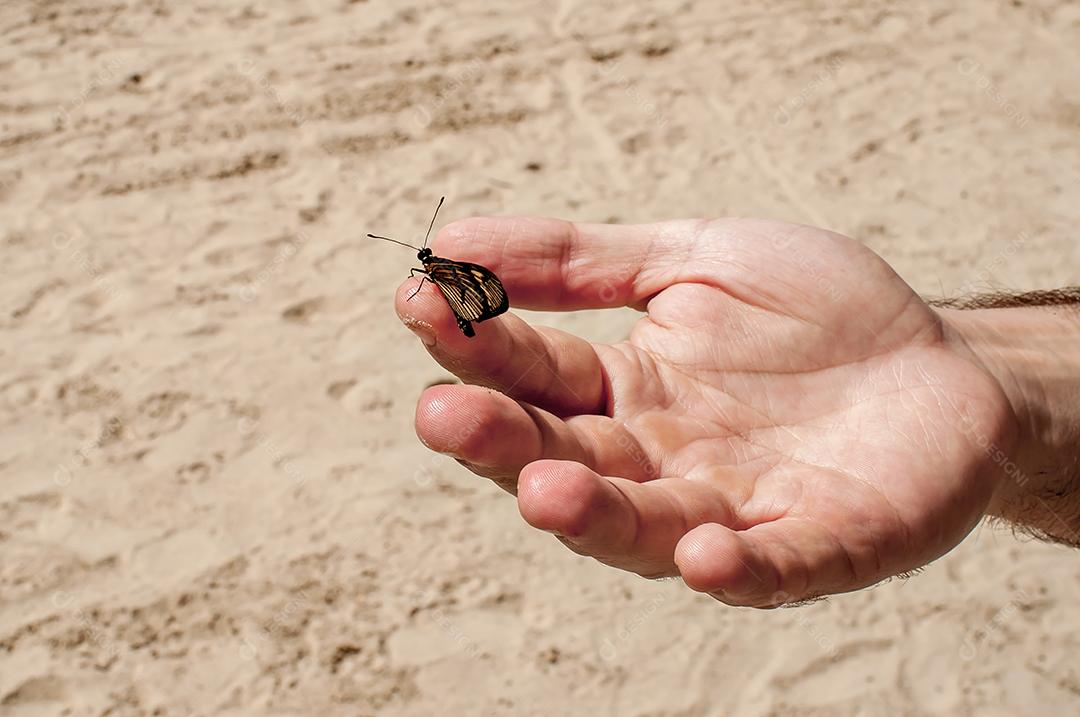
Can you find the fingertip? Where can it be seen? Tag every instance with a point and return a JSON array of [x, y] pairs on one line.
[[559, 496], [470, 239], [431, 411], [424, 311], [458, 420], [717, 560]]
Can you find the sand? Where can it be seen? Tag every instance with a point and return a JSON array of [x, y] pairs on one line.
[[212, 499]]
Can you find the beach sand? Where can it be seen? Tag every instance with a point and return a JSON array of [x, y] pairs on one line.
[[213, 501]]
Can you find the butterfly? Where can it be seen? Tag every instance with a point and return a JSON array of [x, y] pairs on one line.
[[473, 291]]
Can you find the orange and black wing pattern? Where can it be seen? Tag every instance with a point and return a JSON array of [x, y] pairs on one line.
[[473, 291]]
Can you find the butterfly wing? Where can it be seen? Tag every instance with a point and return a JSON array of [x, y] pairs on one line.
[[473, 291], [495, 297]]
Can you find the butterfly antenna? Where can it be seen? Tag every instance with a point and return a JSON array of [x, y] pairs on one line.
[[376, 236], [443, 199]]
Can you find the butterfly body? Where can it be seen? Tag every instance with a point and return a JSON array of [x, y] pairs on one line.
[[473, 292]]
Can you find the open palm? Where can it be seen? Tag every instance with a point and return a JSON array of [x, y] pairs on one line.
[[787, 419]]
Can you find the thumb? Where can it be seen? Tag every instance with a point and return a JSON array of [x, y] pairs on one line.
[[770, 564]]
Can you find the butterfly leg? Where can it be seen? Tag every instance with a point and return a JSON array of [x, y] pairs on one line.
[[466, 327], [412, 273]]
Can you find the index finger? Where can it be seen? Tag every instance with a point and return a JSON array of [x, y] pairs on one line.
[[552, 264]]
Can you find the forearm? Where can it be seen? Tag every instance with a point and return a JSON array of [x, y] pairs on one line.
[[1031, 345]]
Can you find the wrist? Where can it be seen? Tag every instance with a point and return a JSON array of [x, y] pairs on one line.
[[1033, 352]]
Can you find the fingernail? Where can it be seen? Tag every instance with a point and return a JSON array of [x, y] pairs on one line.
[[423, 331]]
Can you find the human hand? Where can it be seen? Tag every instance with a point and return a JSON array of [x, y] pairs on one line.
[[788, 419]]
